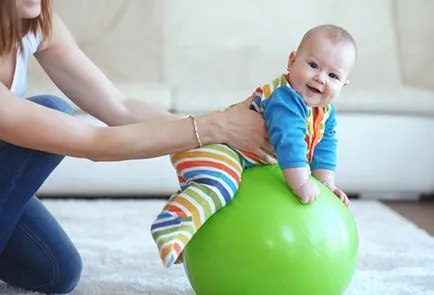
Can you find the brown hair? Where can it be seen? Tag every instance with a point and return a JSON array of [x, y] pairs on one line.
[[13, 29]]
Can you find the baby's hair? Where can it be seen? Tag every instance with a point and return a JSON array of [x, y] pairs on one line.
[[335, 33]]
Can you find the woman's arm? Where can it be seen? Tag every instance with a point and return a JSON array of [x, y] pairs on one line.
[[29, 125], [86, 85], [93, 92]]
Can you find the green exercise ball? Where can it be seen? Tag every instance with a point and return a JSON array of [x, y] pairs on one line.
[[266, 242]]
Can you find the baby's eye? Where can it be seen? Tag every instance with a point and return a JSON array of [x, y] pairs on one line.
[[313, 65], [334, 76]]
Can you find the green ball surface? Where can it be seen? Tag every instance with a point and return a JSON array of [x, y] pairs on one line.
[[266, 242]]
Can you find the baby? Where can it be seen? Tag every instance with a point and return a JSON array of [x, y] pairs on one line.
[[301, 123]]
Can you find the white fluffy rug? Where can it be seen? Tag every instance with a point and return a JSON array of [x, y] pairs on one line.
[[396, 258]]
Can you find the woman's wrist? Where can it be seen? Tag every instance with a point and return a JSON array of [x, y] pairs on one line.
[[196, 131], [209, 128]]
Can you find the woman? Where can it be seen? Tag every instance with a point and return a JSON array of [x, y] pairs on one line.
[[35, 134]]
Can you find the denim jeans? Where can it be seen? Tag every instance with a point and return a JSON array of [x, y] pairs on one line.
[[35, 252]]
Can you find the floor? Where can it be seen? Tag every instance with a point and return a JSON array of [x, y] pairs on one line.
[[420, 213], [120, 258]]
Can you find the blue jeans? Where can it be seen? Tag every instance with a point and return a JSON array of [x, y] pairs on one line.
[[35, 252]]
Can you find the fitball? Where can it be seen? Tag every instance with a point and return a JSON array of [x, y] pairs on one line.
[[266, 242]]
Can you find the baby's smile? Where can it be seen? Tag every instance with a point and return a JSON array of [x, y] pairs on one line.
[[314, 89]]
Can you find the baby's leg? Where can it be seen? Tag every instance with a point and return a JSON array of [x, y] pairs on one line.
[[251, 159], [209, 178]]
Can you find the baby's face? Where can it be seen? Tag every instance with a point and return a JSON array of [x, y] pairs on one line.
[[320, 69]]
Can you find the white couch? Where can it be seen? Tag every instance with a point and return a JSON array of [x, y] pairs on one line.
[[194, 56]]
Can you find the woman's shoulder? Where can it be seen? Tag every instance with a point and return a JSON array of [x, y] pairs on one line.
[[32, 41], [57, 33]]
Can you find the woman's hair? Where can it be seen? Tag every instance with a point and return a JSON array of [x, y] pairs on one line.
[[13, 28]]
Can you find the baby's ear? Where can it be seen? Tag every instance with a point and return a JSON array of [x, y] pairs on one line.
[[347, 82], [291, 60]]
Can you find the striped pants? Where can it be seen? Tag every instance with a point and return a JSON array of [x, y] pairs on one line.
[[209, 177]]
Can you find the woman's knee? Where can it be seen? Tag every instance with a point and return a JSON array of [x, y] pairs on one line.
[[53, 102], [70, 275], [67, 274], [39, 255]]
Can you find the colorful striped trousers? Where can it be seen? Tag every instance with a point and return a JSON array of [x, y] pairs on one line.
[[209, 177]]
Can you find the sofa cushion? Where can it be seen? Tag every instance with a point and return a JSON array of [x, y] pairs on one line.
[[228, 45], [215, 56], [212, 54], [122, 38], [152, 92], [415, 31]]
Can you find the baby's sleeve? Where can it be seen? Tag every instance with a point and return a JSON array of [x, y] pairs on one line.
[[324, 155], [285, 115]]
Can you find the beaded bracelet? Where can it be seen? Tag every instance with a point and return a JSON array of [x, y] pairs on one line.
[[196, 132]]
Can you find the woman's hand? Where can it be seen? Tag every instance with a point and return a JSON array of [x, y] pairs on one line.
[[245, 129]]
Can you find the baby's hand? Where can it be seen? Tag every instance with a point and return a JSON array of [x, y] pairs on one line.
[[303, 187], [308, 192], [327, 177], [339, 193]]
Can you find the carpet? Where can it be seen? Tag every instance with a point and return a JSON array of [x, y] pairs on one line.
[[395, 258]]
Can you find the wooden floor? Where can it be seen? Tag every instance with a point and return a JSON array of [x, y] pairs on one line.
[[418, 212]]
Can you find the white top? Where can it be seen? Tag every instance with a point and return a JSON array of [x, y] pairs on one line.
[[30, 46]]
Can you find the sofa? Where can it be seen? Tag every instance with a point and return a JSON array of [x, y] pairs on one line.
[[195, 56]]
